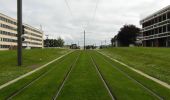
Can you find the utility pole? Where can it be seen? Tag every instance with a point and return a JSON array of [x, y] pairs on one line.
[[19, 29], [78, 43], [84, 40]]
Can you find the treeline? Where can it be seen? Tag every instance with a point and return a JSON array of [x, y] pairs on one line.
[[126, 36], [54, 42]]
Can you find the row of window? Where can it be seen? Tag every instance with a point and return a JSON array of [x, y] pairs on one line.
[[158, 30], [7, 20], [8, 27], [33, 39], [157, 19], [33, 34], [15, 23], [7, 40], [36, 43], [4, 46], [33, 30], [157, 36], [7, 33], [13, 34], [32, 43]]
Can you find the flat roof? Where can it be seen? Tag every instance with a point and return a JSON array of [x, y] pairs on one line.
[[158, 12]]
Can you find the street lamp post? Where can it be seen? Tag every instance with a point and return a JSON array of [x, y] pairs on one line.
[[84, 40], [19, 29]]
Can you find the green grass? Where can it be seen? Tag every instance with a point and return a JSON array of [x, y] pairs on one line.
[[152, 61], [44, 88], [84, 82], [155, 87], [31, 60], [121, 86]]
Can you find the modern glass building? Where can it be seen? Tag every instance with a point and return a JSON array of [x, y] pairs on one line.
[[8, 34], [156, 29]]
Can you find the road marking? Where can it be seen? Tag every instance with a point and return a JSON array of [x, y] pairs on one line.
[[66, 78], [29, 73], [140, 72], [101, 77]]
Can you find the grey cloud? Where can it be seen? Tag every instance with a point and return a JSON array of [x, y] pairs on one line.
[[57, 21]]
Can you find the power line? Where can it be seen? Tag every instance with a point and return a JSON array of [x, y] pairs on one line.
[[94, 14], [88, 23], [69, 8]]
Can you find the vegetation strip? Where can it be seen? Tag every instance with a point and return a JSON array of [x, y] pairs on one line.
[[29, 73], [101, 77], [36, 79], [46, 87], [153, 93], [122, 87], [66, 77], [84, 82], [139, 72]]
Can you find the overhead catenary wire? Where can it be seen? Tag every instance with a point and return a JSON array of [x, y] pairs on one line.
[[69, 8], [84, 27], [94, 14]]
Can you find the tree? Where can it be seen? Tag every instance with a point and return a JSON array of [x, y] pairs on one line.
[[127, 35], [113, 40], [60, 42], [54, 42]]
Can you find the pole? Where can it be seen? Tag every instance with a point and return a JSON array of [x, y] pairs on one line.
[[19, 29], [84, 40], [78, 43]]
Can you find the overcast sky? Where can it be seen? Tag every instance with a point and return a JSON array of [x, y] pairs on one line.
[[68, 20]]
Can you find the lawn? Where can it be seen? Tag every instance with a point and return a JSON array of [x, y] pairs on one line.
[[152, 61], [44, 83], [84, 82], [158, 89], [31, 60], [122, 87]]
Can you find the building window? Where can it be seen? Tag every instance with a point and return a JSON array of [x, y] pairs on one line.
[[160, 29], [164, 17], [168, 27], [164, 28], [7, 20], [160, 18], [168, 15]]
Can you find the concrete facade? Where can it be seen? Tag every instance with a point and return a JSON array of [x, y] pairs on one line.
[[156, 29], [8, 34]]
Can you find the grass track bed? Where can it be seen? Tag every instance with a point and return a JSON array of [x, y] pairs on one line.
[[78, 79], [31, 60], [152, 61], [121, 86], [44, 87], [155, 87], [84, 82]]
